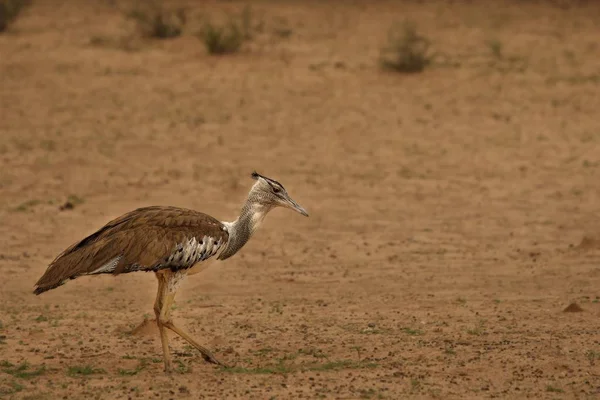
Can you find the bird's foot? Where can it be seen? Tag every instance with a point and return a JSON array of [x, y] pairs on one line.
[[168, 368], [208, 357]]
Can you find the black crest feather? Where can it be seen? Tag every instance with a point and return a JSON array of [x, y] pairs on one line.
[[256, 175]]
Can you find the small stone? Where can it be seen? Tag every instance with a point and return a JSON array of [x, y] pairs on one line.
[[573, 307], [183, 389], [67, 206]]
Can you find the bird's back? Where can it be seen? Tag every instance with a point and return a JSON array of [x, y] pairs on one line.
[[146, 239]]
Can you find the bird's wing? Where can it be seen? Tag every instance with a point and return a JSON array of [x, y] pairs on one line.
[[146, 239]]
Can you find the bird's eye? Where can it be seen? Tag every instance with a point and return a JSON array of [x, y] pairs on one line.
[[276, 189]]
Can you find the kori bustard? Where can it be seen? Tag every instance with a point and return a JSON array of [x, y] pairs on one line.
[[171, 242]]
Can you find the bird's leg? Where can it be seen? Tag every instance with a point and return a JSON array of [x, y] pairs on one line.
[[165, 321], [206, 354], [158, 307]]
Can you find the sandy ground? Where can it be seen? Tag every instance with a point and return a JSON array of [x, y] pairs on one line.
[[454, 213]]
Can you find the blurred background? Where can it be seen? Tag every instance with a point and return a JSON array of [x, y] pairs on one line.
[[447, 152]]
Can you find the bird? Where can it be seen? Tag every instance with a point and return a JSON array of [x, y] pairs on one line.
[[171, 242]]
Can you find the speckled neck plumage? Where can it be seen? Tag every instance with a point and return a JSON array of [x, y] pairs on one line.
[[252, 214]]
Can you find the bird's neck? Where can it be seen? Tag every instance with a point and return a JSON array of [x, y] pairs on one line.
[[240, 230]]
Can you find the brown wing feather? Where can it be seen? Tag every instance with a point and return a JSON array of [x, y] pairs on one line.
[[140, 240]]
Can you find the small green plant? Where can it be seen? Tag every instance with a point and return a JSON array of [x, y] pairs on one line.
[[220, 40], [27, 205], [84, 370], [22, 370], [264, 351], [503, 62], [10, 10], [553, 389], [131, 372], [407, 51], [367, 393], [15, 387], [41, 318], [592, 356], [181, 367], [316, 353], [415, 385], [495, 47], [412, 332], [74, 199], [478, 330], [155, 21]]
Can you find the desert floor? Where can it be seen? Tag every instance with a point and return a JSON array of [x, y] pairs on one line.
[[454, 212]]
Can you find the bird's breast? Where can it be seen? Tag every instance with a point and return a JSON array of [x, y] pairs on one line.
[[193, 251], [200, 266]]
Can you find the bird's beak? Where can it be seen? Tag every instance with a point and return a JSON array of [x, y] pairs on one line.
[[295, 206]]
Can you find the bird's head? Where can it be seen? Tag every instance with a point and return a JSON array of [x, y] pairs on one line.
[[270, 193]]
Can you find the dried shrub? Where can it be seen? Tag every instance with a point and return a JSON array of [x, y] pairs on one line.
[[223, 39], [154, 20], [407, 51], [10, 10]]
